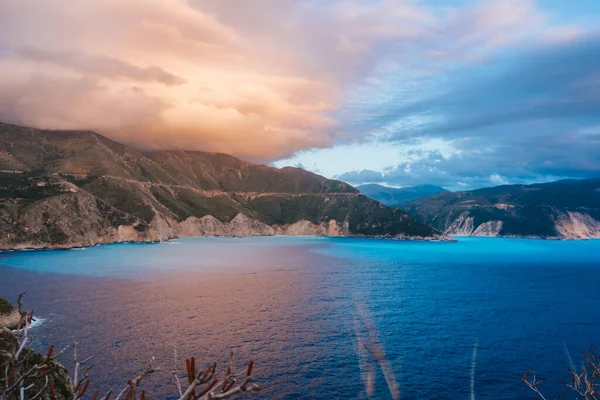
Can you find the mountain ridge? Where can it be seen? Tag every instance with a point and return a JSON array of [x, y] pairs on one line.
[[78, 188], [564, 209], [395, 197]]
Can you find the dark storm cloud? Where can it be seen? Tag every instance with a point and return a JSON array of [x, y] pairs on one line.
[[527, 159], [528, 116], [549, 83]]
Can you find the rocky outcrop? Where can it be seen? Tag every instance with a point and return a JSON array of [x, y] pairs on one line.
[[9, 315], [307, 228], [77, 188], [575, 225], [464, 225], [208, 225], [75, 219], [55, 383], [86, 227], [242, 225], [568, 209], [461, 226], [10, 320], [489, 228], [96, 215], [569, 225]]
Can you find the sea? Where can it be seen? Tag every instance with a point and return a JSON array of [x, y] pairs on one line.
[[326, 318]]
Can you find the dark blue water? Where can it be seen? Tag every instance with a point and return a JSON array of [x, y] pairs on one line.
[[324, 318]]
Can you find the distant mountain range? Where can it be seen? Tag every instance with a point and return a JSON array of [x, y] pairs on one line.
[[562, 209], [78, 188], [395, 197]]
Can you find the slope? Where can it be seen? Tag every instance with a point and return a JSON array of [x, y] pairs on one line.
[[395, 197], [561, 209], [78, 188]]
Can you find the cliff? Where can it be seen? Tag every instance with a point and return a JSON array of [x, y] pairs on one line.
[[62, 189], [567, 209], [9, 315]]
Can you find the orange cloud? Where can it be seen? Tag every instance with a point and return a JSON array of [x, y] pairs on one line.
[[158, 75], [101, 66], [256, 79]]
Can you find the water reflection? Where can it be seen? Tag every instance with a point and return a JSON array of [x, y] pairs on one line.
[[371, 353], [283, 315], [329, 318]]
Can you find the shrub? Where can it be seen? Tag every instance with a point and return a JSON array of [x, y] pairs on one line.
[[5, 306], [583, 381], [25, 373]]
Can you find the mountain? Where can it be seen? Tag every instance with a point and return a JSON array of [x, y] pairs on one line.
[[395, 197], [66, 189], [563, 209]]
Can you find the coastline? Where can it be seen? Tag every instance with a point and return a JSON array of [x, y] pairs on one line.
[[439, 238], [10, 320], [76, 246], [532, 237]]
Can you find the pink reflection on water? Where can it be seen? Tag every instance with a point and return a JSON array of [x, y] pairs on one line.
[[371, 353], [280, 315]]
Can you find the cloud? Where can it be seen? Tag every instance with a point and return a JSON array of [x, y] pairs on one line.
[[102, 66], [481, 162], [360, 177], [195, 79], [558, 82], [502, 89], [70, 102], [222, 75], [523, 116]]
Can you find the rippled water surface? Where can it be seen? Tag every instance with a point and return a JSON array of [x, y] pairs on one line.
[[323, 318]]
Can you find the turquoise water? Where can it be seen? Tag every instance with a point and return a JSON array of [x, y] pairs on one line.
[[320, 315]]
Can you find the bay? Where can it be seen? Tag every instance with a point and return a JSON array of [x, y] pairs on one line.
[[318, 315]]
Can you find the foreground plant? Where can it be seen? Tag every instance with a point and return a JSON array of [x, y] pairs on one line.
[[583, 382], [25, 374]]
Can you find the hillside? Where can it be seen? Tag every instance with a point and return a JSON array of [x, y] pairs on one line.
[[78, 188], [562, 209], [395, 197]]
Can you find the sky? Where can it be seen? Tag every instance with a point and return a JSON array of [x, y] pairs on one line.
[[462, 94]]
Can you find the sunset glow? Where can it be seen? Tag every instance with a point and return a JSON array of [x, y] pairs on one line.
[[278, 80]]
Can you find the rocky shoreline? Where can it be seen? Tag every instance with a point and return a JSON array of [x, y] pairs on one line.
[[9, 315], [208, 226], [10, 321], [277, 232], [532, 237], [561, 210], [49, 247]]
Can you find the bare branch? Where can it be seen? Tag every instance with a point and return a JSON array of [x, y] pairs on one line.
[[133, 384], [174, 372], [21, 374], [533, 383]]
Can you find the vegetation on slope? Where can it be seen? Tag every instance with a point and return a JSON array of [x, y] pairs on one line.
[[396, 197], [525, 210], [78, 188], [5, 306]]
